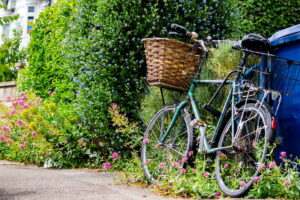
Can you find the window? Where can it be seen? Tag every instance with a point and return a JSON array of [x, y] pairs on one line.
[[5, 30], [30, 22], [31, 9]]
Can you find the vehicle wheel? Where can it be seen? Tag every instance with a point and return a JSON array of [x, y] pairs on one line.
[[238, 166], [160, 159]]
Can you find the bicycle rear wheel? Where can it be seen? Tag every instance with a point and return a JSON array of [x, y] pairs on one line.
[[238, 166], [159, 159]]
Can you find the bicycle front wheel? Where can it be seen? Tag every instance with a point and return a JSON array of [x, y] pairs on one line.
[[237, 167], [159, 160]]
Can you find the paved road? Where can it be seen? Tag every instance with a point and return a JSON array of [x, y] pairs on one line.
[[20, 182]]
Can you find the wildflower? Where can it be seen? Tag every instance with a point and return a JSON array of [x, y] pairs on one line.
[[22, 93], [176, 164], [287, 182], [257, 179], [242, 183], [198, 138], [272, 164], [148, 161], [20, 122], [226, 166], [182, 171], [53, 93], [218, 194], [194, 170], [47, 154], [21, 146], [206, 174], [49, 92], [2, 137], [163, 173], [23, 97], [4, 128], [146, 141], [8, 98], [65, 141], [283, 154], [223, 155], [14, 103], [114, 105], [107, 165], [161, 165], [191, 153], [261, 167], [184, 159], [115, 155], [38, 99], [131, 146], [8, 141], [165, 150]]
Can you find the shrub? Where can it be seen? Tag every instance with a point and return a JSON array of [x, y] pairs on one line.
[[267, 17], [11, 53], [48, 69]]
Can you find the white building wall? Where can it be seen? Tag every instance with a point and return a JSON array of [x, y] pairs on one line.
[[20, 7]]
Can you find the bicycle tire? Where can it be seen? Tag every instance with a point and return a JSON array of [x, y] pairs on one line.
[[158, 159], [235, 178]]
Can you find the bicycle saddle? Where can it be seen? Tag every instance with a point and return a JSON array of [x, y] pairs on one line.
[[253, 42]]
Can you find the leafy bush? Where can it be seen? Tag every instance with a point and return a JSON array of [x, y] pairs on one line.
[[265, 17], [48, 69], [11, 53]]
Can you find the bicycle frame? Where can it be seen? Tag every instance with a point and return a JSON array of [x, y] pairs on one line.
[[230, 101]]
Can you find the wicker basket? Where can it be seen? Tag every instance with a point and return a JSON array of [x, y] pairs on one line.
[[170, 63]]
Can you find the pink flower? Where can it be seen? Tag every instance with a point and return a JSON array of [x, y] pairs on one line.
[[198, 139], [53, 93], [163, 173], [261, 167], [226, 166], [114, 105], [165, 150], [13, 111], [1, 137], [21, 102], [148, 161], [33, 133], [223, 155], [194, 170], [218, 194], [272, 164], [161, 165], [8, 140], [20, 122], [65, 141], [115, 155], [25, 106], [38, 99], [242, 183], [206, 174], [176, 164], [4, 128], [15, 103], [107, 165], [184, 159], [257, 179], [283, 154], [131, 146], [182, 171], [191, 153], [21, 146], [146, 141], [49, 92], [23, 97], [287, 182], [22, 93], [47, 154], [8, 98]]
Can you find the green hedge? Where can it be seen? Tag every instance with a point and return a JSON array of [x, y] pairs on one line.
[[265, 17]]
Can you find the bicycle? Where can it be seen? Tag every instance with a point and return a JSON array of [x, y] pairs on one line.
[[245, 128]]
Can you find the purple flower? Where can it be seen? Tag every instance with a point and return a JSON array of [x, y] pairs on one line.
[[20, 122], [115, 155], [107, 165], [206, 174], [146, 141], [182, 171], [21, 146], [272, 164], [218, 194], [242, 183]]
